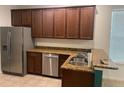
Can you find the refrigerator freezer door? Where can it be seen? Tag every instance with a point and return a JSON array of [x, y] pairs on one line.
[[5, 59], [16, 50]]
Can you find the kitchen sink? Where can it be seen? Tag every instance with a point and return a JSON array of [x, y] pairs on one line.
[[80, 59], [77, 63]]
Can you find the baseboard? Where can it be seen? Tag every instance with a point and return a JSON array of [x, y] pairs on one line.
[[113, 78]]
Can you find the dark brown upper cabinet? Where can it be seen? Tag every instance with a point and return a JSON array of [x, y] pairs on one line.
[[87, 22], [37, 18], [21, 17], [72, 23], [59, 23], [48, 15], [26, 17], [16, 18], [65, 23]]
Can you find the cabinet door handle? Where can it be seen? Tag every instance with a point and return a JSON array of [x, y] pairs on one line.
[[52, 56]]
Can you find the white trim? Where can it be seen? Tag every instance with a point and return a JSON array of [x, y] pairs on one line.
[[113, 78], [114, 10], [119, 63]]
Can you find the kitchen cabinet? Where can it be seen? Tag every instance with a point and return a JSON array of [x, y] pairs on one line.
[[62, 59], [62, 23], [26, 17], [21, 17], [34, 63], [59, 23], [48, 15], [37, 23], [87, 22], [73, 78], [16, 17], [72, 23]]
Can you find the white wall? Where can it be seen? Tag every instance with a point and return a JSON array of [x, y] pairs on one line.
[[65, 43], [102, 27], [5, 15]]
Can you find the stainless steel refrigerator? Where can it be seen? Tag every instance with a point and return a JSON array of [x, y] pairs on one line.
[[15, 41]]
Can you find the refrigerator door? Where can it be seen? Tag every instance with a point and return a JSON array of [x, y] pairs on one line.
[[5, 53], [16, 50]]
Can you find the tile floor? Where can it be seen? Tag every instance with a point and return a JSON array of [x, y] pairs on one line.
[[41, 81], [28, 81], [112, 83]]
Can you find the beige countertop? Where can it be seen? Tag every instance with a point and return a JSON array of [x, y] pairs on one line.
[[97, 55], [100, 54]]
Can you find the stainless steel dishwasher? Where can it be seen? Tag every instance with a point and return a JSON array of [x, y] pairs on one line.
[[50, 64]]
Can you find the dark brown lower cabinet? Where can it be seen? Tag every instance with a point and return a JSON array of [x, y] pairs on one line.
[[72, 78], [62, 59], [34, 63]]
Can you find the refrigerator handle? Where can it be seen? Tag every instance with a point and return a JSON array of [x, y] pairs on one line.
[[9, 44]]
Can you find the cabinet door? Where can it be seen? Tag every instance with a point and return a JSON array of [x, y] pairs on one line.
[[59, 23], [16, 18], [75, 78], [38, 63], [36, 23], [30, 63], [48, 23], [72, 22], [26, 17], [62, 59], [87, 22], [34, 64]]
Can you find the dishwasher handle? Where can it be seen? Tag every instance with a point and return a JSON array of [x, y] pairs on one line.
[[51, 56]]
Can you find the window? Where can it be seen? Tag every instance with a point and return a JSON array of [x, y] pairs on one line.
[[117, 36]]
